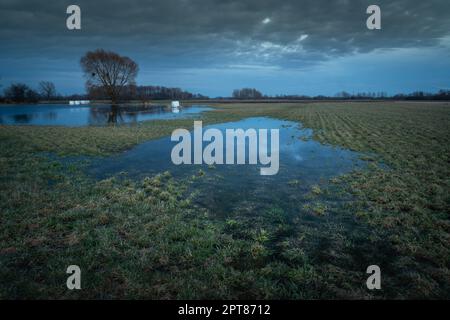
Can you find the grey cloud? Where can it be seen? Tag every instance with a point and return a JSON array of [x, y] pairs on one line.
[[208, 32]]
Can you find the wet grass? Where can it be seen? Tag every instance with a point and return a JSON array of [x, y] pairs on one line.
[[148, 239], [406, 204]]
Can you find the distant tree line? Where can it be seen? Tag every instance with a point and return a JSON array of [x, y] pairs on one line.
[[362, 95], [247, 94], [420, 95], [253, 94], [20, 93], [144, 93], [164, 93], [417, 95]]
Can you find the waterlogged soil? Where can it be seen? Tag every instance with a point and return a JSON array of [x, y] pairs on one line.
[[305, 167], [87, 115], [226, 232], [298, 217]]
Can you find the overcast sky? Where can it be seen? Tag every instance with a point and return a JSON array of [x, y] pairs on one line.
[[214, 46]]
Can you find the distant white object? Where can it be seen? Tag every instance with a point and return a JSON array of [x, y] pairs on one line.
[[77, 102], [175, 110], [175, 104]]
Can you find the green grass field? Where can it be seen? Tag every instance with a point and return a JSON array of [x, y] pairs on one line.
[[146, 239]]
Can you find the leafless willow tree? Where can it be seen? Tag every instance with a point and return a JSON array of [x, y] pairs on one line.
[[47, 89], [108, 70]]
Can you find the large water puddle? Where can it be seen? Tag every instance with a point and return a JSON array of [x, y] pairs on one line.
[[305, 165], [86, 115]]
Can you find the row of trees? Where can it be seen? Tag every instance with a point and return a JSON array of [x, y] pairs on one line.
[[20, 92], [158, 92], [417, 95], [247, 94], [420, 95], [361, 95], [143, 93], [252, 94]]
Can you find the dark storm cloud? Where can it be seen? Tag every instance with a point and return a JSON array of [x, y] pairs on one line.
[[208, 32]]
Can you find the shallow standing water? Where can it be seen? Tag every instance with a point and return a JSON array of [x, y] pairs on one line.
[[223, 188], [86, 115]]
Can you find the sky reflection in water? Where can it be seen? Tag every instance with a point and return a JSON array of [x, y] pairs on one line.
[[78, 116]]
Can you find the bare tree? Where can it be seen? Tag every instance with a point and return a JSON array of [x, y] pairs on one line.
[[47, 89], [108, 70]]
